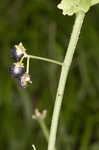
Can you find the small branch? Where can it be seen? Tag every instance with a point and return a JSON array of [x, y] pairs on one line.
[[63, 77], [44, 129], [21, 60], [33, 146], [40, 117], [28, 60], [45, 59]]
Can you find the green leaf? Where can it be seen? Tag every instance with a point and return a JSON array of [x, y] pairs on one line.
[[94, 2], [85, 5], [71, 7]]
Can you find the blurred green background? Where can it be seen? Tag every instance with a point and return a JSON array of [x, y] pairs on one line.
[[45, 32]]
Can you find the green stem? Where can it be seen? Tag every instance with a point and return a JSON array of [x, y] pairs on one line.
[[45, 59], [33, 146], [44, 129], [63, 78], [28, 60]]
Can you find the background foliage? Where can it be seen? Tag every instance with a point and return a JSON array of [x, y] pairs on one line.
[[44, 31]]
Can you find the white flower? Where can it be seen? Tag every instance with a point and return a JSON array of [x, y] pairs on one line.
[[71, 7]]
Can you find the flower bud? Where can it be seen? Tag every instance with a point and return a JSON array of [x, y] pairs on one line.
[[24, 80]]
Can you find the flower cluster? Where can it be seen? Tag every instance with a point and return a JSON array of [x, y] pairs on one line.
[[39, 115], [70, 7], [18, 53]]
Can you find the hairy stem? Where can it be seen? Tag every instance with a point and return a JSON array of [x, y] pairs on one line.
[[63, 77], [45, 59]]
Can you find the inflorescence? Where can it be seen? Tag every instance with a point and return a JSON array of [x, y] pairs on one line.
[[18, 53]]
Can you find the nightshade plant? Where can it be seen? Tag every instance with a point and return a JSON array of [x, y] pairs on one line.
[[69, 7]]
